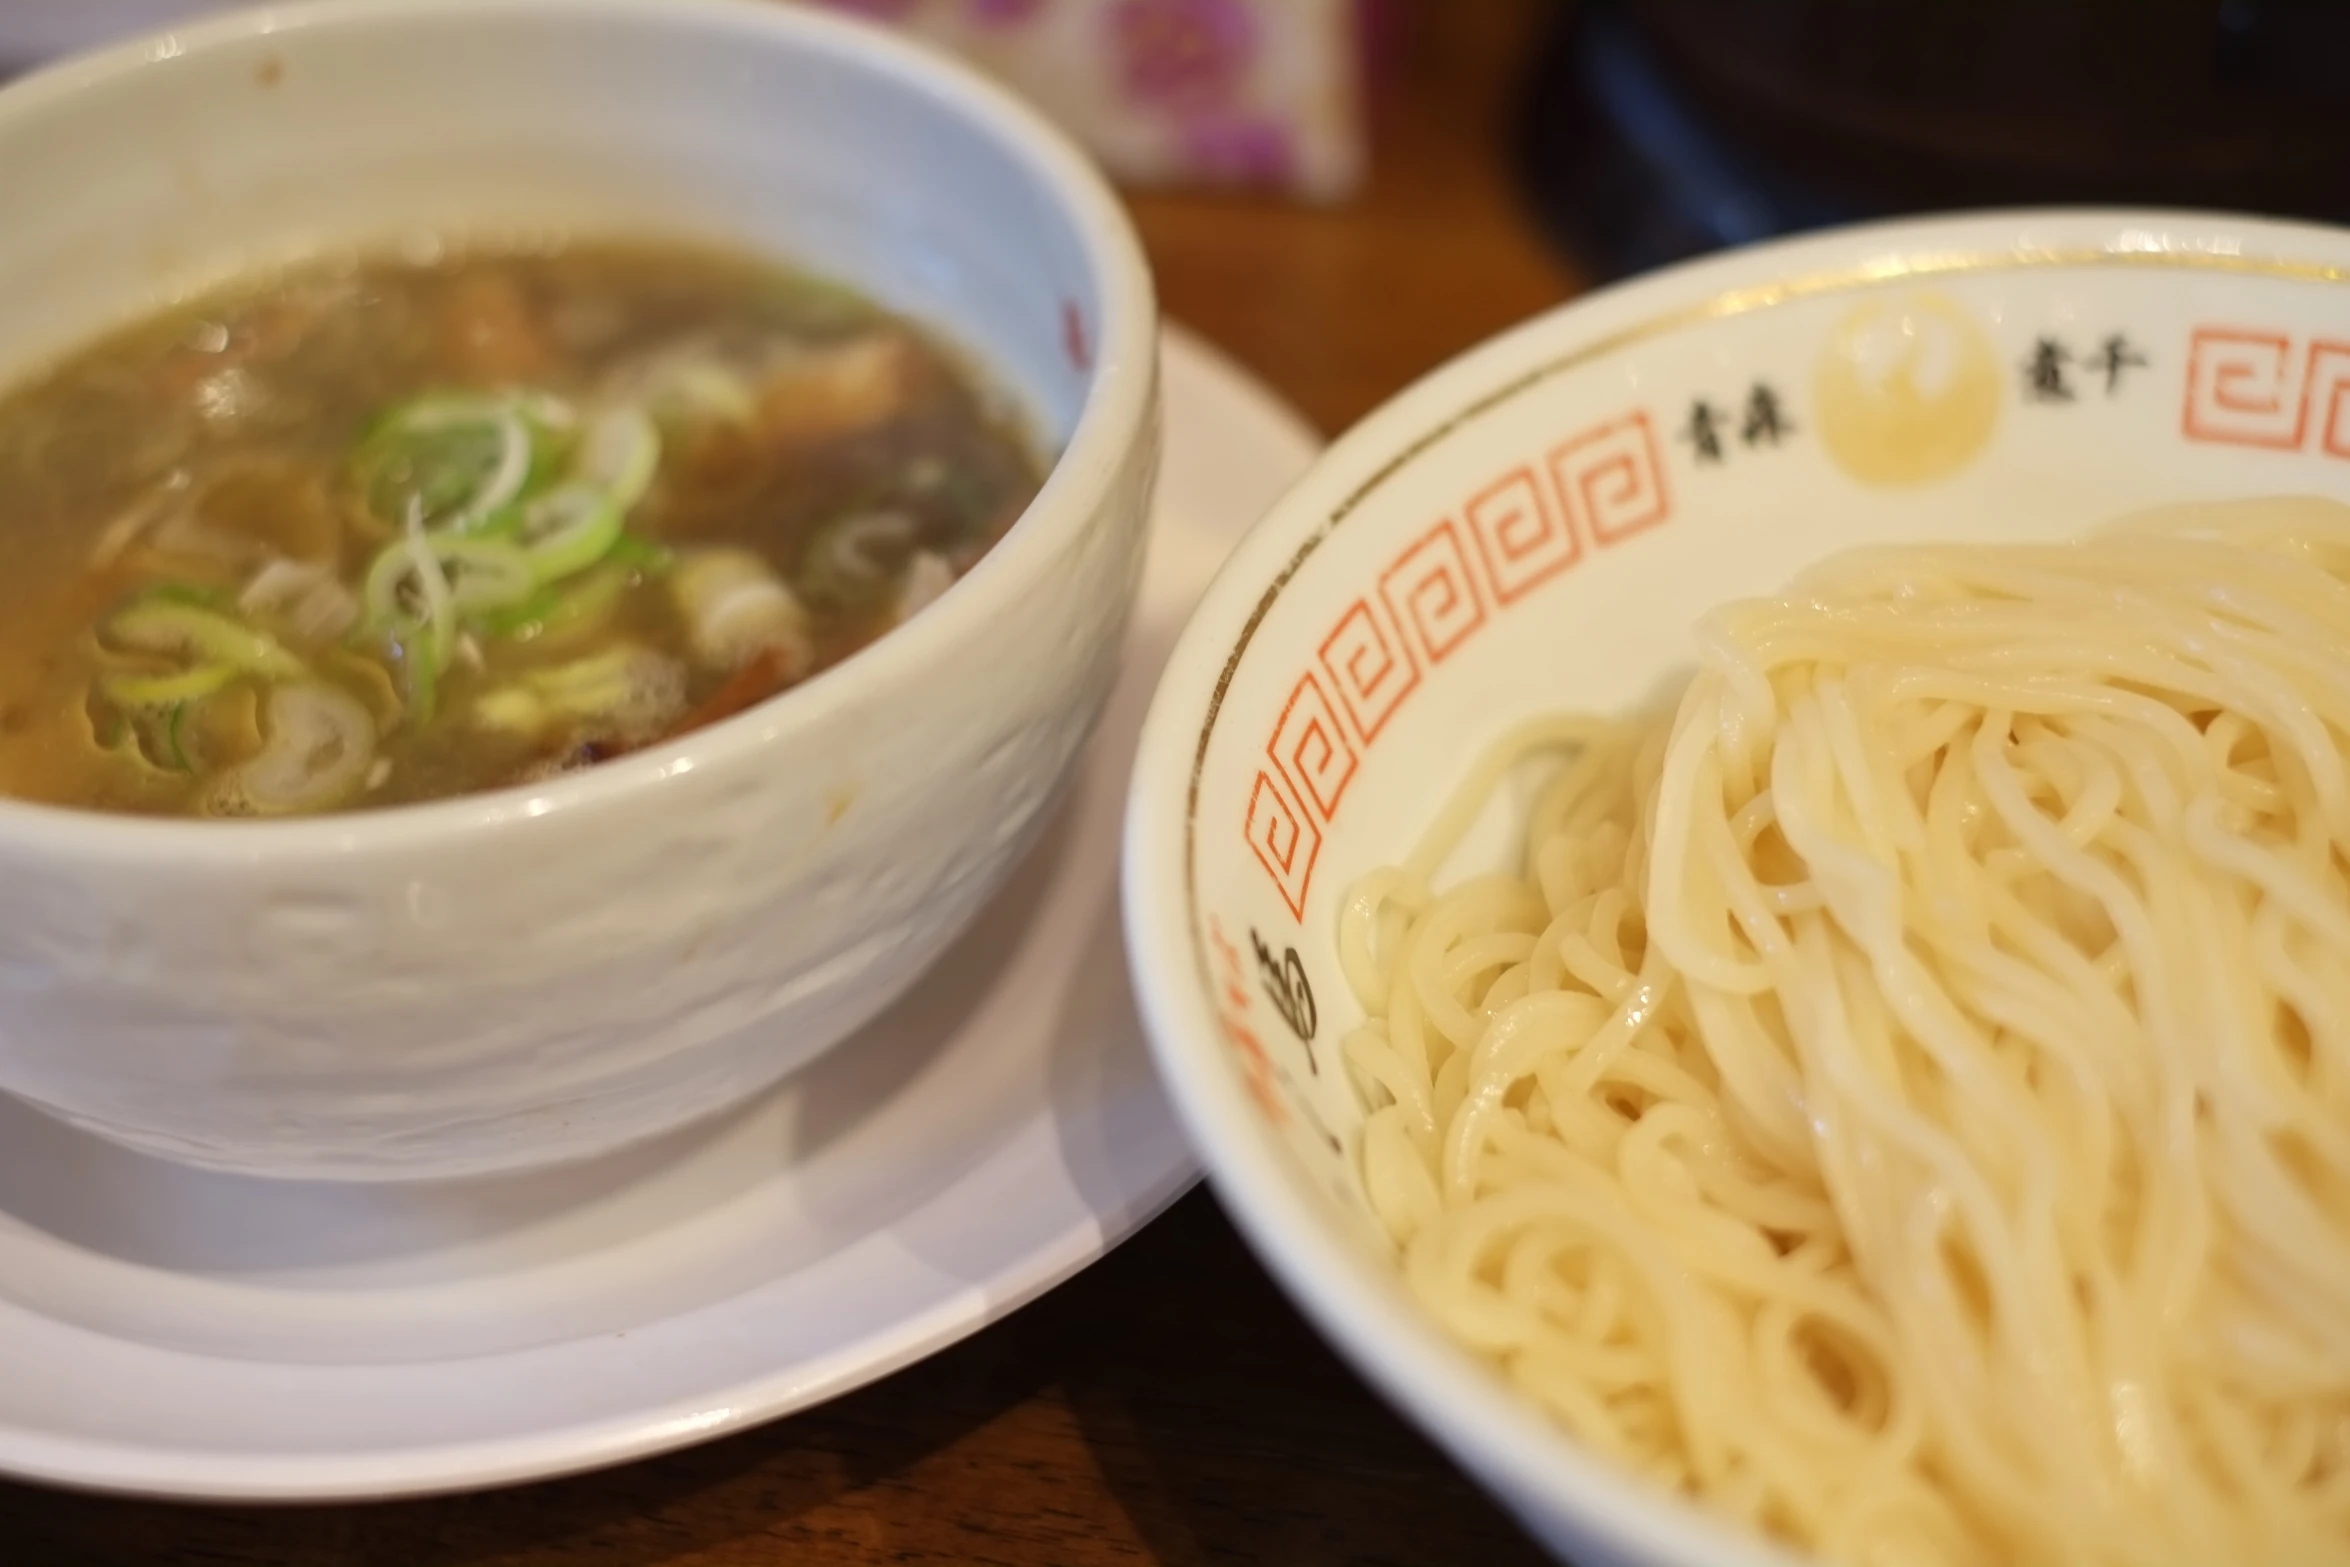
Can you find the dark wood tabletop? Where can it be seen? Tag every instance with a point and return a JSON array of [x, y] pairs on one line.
[[1168, 1406]]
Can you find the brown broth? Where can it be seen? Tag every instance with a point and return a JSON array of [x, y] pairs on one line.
[[851, 456]]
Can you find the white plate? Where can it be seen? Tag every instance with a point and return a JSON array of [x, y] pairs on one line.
[[175, 1333]]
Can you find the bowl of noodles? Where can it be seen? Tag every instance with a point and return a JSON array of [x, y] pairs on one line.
[[1746, 892]]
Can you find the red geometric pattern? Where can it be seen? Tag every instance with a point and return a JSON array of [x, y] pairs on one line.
[[1527, 527], [1286, 840], [2244, 389], [1369, 667], [1432, 591], [1523, 539], [1315, 757], [2329, 396], [1613, 479]]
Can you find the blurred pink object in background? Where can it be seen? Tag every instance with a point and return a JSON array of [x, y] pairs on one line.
[[1270, 94], [1264, 93]]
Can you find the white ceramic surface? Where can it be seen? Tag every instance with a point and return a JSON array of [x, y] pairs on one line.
[[32, 31], [1536, 527], [180, 1333], [537, 975]]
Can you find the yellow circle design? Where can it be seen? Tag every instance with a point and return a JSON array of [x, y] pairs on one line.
[[1908, 391]]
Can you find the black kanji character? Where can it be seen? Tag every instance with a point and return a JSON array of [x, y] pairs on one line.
[[2044, 372], [1286, 987], [1706, 423], [2113, 356], [1766, 418]]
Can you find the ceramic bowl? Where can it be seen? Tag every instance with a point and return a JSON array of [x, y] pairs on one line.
[[1536, 527], [538, 975]]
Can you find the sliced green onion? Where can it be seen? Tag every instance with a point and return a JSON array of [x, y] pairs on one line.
[[424, 676], [163, 623], [145, 739], [393, 593], [618, 451], [554, 426], [550, 413], [408, 596], [188, 593], [484, 574], [316, 750], [129, 738], [568, 529], [560, 608], [173, 722], [528, 616], [481, 575], [162, 691], [459, 459], [637, 551]]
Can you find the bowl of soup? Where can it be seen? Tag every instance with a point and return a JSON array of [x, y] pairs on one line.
[[1746, 893], [557, 552]]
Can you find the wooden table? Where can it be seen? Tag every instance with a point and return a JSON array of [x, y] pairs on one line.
[[1168, 1406]]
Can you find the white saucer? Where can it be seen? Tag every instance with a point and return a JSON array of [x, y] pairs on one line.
[[175, 1333]]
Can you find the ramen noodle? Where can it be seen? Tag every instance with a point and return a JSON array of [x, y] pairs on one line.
[[1899, 1095]]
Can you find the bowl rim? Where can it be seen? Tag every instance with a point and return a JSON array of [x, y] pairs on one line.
[[1120, 385], [1499, 1436]]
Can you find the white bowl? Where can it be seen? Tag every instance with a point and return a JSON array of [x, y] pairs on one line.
[[537, 975], [1534, 527]]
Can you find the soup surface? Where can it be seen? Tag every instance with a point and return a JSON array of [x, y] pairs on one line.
[[378, 531]]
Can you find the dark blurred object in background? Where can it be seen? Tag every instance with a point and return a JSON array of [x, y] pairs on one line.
[[1656, 129]]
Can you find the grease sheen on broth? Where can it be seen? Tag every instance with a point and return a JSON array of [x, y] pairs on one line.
[[374, 532]]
